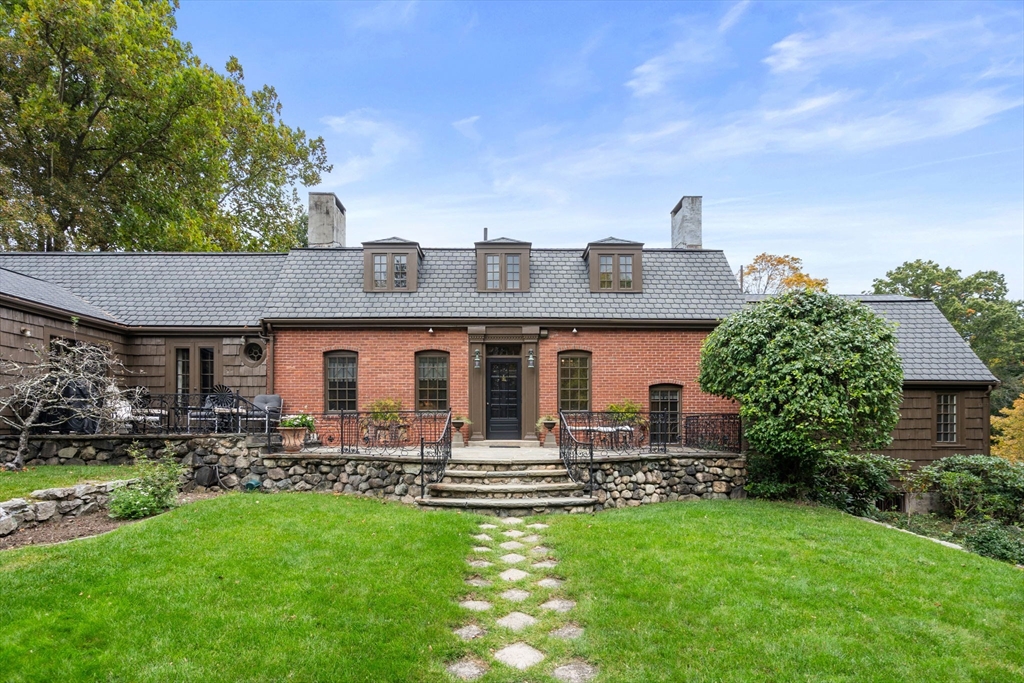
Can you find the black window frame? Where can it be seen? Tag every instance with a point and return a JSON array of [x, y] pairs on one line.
[[566, 401], [670, 432], [333, 405], [427, 394]]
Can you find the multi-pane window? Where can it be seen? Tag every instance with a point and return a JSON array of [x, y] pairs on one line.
[[432, 381], [207, 375], [401, 271], [625, 272], [182, 371], [606, 272], [493, 271], [945, 418], [340, 381], [574, 381], [511, 271], [665, 402], [380, 271]]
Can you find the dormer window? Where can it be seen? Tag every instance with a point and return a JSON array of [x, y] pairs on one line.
[[615, 265], [391, 265], [503, 265]]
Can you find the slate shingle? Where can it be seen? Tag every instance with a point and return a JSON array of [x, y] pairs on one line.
[[48, 294]]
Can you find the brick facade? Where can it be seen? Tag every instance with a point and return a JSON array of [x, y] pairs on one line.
[[626, 363]]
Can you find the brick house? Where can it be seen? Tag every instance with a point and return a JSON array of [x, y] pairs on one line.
[[502, 332]]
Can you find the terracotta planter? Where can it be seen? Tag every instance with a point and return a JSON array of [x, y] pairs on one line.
[[293, 438]]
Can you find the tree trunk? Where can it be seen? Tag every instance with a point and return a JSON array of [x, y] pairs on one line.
[[26, 428]]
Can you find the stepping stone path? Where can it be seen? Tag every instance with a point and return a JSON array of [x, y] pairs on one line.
[[467, 669], [521, 655], [515, 594], [516, 621]]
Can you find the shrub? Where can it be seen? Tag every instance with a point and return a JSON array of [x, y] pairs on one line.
[[385, 410], [980, 485], [155, 490], [854, 482], [998, 541]]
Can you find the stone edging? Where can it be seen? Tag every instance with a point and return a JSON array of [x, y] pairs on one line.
[[52, 505]]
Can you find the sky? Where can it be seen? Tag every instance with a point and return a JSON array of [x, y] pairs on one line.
[[854, 136]]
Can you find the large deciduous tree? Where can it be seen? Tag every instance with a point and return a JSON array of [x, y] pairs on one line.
[[114, 135], [977, 307], [813, 373], [771, 274]]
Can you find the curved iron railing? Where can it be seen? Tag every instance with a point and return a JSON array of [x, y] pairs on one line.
[[434, 457], [577, 455], [632, 432]]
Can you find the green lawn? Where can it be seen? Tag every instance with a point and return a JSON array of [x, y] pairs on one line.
[[23, 482], [298, 587]]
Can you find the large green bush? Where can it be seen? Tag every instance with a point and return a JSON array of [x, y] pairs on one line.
[[998, 541], [854, 482], [155, 488], [979, 485], [815, 375]]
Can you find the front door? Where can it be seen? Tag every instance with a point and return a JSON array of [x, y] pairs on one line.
[[503, 399]]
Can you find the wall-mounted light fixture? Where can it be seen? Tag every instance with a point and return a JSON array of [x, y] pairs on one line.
[[430, 330], [574, 330], [476, 359], [26, 332], [530, 358]]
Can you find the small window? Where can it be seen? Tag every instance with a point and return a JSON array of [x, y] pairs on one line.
[[401, 271], [340, 381], [432, 381], [945, 418], [625, 272], [182, 371], [380, 271], [574, 381], [665, 402], [253, 353], [606, 272], [493, 271], [512, 271]]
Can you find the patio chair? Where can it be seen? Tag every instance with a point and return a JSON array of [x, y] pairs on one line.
[[267, 409], [221, 398]]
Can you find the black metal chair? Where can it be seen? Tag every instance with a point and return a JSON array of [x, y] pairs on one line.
[[221, 398], [266, 408]]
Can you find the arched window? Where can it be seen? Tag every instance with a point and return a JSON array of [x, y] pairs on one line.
[[574, 380], [340, 381], [432, 380], [666, 404]]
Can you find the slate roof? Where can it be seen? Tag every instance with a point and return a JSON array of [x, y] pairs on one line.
[[930, 349], [158, 289], [48, 294], [677, 285]]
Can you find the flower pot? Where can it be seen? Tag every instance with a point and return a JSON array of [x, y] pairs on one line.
[[457, 424], [292, 438], [550, 425]]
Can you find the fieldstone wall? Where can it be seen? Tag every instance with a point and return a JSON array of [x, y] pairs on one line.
[[53, 449], [52, 505], [628, 482]]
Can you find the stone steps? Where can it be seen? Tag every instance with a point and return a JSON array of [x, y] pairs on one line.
[[526, 476], [515, 507], [505, 490]]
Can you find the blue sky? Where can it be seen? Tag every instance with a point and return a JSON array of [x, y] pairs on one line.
[[855, 136]]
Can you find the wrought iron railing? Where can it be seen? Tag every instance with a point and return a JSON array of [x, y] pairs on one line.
[[577, 455], [434, 456], [379, 433], [213, 413], [651, 432]]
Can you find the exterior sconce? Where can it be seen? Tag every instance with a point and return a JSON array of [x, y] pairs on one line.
[[430, 330], [574, 330], [476, 359], [530, 358]]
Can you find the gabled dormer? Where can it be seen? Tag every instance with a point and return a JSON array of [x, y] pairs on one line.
[[391, 265], [616, 265], [503, 265]]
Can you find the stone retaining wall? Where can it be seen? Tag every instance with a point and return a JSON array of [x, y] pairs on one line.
[[54, 449], [628, 482], [52, 505]]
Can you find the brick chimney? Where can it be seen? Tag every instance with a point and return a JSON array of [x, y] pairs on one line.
[[326, 220], [686, 224]]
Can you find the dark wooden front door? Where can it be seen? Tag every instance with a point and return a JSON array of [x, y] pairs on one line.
[[504, 394]]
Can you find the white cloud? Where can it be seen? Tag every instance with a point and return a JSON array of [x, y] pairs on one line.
[[651, 77], [368, 145], [467, 127], [387, 16], [734, 14]]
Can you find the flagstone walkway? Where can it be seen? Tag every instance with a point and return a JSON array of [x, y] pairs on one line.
[[515, 607]]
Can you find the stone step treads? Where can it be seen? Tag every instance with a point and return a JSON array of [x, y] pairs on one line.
[[488, 490], [525, 506]]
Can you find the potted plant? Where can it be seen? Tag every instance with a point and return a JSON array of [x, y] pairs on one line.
[[459, 421], [549, 422], [293, 429]]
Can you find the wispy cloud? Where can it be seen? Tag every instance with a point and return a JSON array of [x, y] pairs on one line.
[[367, 144], [572, 73], [734, 14], [386, 16], [467, 127], [651, 77]]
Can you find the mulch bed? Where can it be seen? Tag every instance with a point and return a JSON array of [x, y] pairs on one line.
[[71, 528]]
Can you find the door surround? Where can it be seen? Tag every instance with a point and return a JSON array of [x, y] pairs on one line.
[[526, 338]]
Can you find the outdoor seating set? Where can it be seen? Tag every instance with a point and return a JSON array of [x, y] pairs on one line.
[[216, 412]]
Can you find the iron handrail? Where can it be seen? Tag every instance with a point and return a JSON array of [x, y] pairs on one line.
[[569, 450], [437, 463]]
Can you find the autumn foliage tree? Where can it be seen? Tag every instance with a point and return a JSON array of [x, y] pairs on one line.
[[771, 274], [1008, 428], [114, 135]]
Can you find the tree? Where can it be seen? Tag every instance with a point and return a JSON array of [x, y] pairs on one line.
[[977, 307], [114, 135], [67, 383], [771, 274], [813, 373], [1008, 440]]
